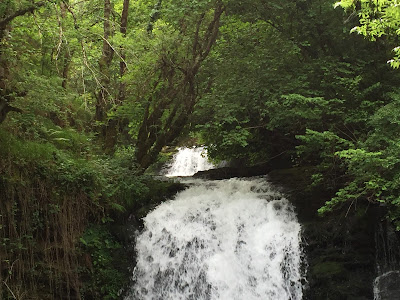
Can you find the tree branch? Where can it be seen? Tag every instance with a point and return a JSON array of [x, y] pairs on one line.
[[212, 32], [21, 12]]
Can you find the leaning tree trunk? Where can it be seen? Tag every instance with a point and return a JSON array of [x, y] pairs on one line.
[[178, 96]]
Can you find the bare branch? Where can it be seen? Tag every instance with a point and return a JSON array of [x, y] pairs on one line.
[[115, 51], [72, 14], [196, 36], [212, 31]]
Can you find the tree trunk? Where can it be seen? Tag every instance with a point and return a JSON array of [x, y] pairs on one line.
[[122, 64], [66, 55], [5, 91], [115, 125], [66, 64], [103, 94], [103, 97], [158, 129]]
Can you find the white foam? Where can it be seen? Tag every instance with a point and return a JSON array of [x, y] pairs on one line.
[[188, 161], [229, 240]]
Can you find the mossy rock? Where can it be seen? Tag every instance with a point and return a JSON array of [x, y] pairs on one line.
[[340, 245], [327, 269]]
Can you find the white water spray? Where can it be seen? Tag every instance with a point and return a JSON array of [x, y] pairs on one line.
[[233, 239], [188, 161], [386, 286]]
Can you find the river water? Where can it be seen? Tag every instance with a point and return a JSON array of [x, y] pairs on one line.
[[236, 239]]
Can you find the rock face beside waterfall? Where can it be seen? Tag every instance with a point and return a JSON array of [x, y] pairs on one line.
[[229, 172], [387, 282], [340, 246], [238, 170], [387, 286]]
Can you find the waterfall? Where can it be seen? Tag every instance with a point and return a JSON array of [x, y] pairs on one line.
[[232, 239], [188, 161], [386, 285]]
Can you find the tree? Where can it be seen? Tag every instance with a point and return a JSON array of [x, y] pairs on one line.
[[8, 12], [122, 64], [114, 124], [104, 94], [278, 69], [377, 18], [173, 90]]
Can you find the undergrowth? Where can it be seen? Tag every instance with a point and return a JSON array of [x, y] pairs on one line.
[[57, 207]]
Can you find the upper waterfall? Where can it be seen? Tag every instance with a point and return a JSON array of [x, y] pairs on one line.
[[188, 161]]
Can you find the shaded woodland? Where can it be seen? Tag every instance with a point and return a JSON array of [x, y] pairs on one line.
[[94, 93]]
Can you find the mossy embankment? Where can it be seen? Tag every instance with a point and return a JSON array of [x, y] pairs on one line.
[[67, 218]]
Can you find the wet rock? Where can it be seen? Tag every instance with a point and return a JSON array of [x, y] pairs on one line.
[[340, 246], [230, 172], [387, 286]]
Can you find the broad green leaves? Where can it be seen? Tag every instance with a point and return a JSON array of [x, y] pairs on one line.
[[377, 18], [372, 165]]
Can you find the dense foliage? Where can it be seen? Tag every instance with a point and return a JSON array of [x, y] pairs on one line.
[[377, 19], [291, 82], [91, 92]]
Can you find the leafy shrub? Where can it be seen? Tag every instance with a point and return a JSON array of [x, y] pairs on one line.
[[102, 277]]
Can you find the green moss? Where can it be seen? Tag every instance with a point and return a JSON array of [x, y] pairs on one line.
[[327, 269]]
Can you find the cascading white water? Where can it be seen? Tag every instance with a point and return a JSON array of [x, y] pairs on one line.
[[386, 285], [231, 239], [235, 239], [188, 161]]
